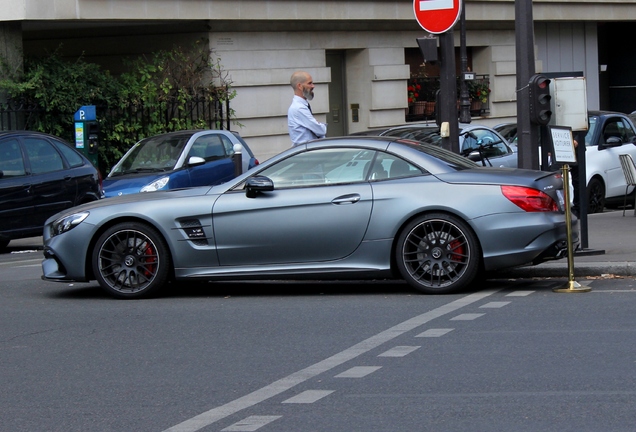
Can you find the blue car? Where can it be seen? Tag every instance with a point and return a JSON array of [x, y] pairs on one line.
[[177, 160]]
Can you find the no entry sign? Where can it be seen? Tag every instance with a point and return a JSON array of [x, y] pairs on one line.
[[437, 16]]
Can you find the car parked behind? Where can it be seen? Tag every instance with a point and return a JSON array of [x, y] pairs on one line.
[[609, 135], [40, 175], [479, 143], [177, 160]]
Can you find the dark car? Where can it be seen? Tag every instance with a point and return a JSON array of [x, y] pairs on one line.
[[40, 175], [351, 207], [176, 160]]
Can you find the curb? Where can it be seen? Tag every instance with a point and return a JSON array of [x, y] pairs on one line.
[[619, 268]]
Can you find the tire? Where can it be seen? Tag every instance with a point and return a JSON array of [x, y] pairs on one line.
[[4, 242], [595, 196], [131, 260], [438, 254]]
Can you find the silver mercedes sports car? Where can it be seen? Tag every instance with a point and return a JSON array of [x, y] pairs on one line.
[[350, 207]]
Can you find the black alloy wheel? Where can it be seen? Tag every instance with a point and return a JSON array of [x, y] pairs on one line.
[[131, 260], [438, 254], [595, 196]]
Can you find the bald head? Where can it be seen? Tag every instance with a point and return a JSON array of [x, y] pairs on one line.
[[303, 84]]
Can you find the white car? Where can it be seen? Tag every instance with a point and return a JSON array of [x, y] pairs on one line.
[[610, 134]]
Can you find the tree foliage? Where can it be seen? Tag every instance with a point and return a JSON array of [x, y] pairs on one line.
[[160, 92]]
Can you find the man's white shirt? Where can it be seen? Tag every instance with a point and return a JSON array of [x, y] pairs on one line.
[[302, 125]]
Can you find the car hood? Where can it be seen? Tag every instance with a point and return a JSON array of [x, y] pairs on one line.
[[129, 183], [136, 198]]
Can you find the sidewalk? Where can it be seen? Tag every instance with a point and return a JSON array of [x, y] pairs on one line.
[[611, 250]]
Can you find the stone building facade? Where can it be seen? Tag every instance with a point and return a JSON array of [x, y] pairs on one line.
[[356, 50]]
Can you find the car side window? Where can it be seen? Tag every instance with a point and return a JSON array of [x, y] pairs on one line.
[[209, 147], [11, 162], [42, 156], [321, 167], [73, 159], [387, 166]]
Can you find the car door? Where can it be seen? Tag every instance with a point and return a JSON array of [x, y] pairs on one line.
[[53, 186], [218, 167], [16, 199], [318, 211], [615, 127]]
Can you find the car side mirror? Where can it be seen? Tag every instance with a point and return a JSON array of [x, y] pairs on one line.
[[612, 142], [257, 184], [195, 160]]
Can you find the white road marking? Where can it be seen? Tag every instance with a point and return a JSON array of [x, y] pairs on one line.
[[251, 423], [519, 293], [467, 317], [21, 263], [215, 414], [494, 305], [435, 332], [309, 396], [399, 351], [358, 372]]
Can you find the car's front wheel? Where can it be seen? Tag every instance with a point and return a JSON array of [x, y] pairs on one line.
[[595, 196], [131, 260], [438, 254]]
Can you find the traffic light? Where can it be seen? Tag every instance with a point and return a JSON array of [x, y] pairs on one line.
[[539, 92]]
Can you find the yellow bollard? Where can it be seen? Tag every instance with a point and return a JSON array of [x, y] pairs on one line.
[[572, 286]]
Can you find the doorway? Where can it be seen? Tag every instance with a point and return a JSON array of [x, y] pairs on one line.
[[337, 115]]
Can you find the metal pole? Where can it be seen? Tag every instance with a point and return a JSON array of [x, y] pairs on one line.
[[448, 91], [527, 133], [464, 101]]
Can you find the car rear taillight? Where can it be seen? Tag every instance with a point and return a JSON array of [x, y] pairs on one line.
[[530, 200]]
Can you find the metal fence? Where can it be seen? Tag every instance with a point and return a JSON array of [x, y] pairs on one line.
[[213, 113]]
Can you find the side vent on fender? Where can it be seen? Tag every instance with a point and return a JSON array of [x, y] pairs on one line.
[[193, 229]]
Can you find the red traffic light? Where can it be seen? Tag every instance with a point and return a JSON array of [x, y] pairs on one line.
[[539, 98]]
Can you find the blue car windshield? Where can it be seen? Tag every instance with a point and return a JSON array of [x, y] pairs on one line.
[[154, 154]]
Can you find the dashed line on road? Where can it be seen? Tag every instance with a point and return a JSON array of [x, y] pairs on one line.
[[467, 317], [435, 332], [358, 372], [251, 424], [215, 414], [399, 351], [308, 396]]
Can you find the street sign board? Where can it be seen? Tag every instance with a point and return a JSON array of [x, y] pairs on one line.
[[437, 16]]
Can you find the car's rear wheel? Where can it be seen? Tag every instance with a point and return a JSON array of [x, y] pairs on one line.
[[131, 260], [438, 254], [595, 196], [4, 242]]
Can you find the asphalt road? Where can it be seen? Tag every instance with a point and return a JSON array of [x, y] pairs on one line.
[[511, 355]]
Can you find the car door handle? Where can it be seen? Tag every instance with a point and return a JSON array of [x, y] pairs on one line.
[[346, 199]]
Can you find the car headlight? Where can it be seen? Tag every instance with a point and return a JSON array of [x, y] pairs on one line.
[[156, 185], [67, 223]]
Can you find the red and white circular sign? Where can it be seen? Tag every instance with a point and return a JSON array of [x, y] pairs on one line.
[[437, 16]]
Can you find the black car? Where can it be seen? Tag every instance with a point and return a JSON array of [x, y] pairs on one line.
[[40, 175]]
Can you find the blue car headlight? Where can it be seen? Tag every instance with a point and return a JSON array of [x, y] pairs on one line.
[[156, 185], [67, 223]]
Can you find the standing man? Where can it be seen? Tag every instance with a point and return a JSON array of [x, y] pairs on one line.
[[302, 125]]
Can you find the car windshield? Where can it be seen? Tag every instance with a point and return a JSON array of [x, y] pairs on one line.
[[593, 123], [154, 154]]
